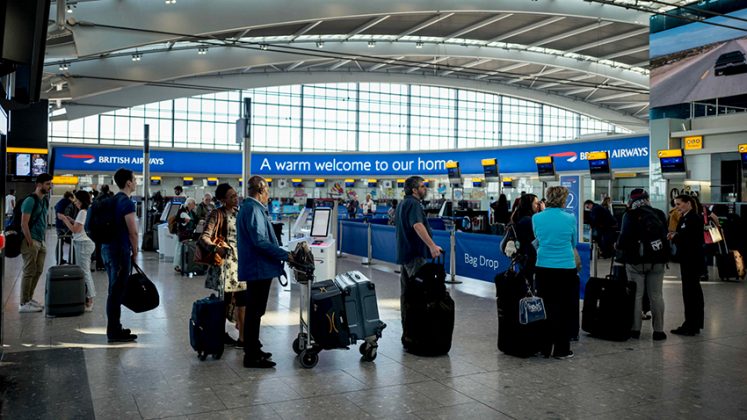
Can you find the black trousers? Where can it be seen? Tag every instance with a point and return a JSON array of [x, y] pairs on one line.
[[257, 293], [692, 296], [559, 288]]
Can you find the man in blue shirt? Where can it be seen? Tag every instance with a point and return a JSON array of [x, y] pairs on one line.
[[413, 234], [119, 254], [260, 261], [33, 250]]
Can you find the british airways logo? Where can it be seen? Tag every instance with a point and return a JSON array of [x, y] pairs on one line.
[[571, 156], [89, 159]]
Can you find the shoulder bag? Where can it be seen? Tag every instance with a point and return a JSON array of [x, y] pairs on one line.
[[140, 293], [206, 254]]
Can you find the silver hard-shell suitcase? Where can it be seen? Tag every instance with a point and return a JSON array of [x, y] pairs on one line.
[[361, 310]]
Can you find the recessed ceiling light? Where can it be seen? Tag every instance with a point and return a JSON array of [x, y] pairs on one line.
[[418, 44], [137, 56], [320, 44], [170, 1], [371, 44], [202, 50], [263, 47], [64, 66]]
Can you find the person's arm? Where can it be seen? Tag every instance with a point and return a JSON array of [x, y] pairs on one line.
[[25, 218], [423, 235], [70, 223], [131, 221], [259, 235]]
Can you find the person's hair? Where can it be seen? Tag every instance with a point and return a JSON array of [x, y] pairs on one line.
[[606, 201], [256, 185], [208, 196], [556, 196], [105, 189], [686, 198], [587, 202], [503, 201], [42, 178], [411, 184], [68, 195], [515, 205], [84, 198], [12, 191], [189, 201], [221, 191], [525, 207], [120, 178], [178, 187], [394, 203]]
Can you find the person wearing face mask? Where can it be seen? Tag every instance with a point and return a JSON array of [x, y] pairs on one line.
[[260, 261], [689, 241]]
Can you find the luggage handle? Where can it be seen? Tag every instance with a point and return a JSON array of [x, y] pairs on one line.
[[137, 269]]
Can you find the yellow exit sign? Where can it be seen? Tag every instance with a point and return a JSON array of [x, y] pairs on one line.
[[693, 142]]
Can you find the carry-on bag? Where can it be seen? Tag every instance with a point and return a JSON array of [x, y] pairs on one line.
[[428, 312], [140, 293], [329, 328], [207, 327], [730, 264], [514, 338], [608, 307], [361, 307], [65, 293]]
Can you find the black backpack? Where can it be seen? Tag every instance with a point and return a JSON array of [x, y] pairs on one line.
[[649, 244], [14, 234], [101, 225]]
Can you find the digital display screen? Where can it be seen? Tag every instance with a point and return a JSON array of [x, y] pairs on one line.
[[297, 184], [491, 172], [349, 184], [508, 184], [155, 182], [320, 222], [320, 184], [372, 184], [455, 173], [546, 169], [599, 168], [477, 184], [212, 183], [744, 160], [188, 182], [27, 164], [400, 184], [672, 164]]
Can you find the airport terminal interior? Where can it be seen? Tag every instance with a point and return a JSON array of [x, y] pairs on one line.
[[336, 104]]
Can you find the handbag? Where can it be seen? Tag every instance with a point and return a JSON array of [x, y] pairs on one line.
[[531, 308], [510, 236], [140, 293], [712, 234], [206, 254]]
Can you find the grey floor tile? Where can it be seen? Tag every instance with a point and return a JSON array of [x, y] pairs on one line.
[[319, 408], [254, 412], [261, 391], [116, 408], [165, 403], [468, 411]]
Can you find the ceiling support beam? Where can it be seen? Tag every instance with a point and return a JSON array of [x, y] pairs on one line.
[[427, 23], [529, 28], [366, 26], [479, 25]]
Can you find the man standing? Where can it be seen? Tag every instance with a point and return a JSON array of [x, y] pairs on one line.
[[119, 253], [603, 227], [204, 208], [260, 260], [10, 204], [413, 234], [63, 208], [33, 249]]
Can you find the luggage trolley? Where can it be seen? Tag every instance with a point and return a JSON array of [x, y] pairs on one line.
[[361, 319]]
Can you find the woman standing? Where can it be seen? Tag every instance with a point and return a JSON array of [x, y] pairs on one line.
[[220, 235], [522, 224], [556, 276], [82, 244], [689, 241], [369, 207]]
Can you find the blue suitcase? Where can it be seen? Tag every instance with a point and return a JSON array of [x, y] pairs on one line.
[[361, 311], [207, 327]]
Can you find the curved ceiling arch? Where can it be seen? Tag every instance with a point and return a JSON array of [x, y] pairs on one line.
[[147, 93]]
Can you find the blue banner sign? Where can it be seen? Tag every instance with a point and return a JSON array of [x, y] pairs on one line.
[[479, 256], [625, 153], [572, 205]]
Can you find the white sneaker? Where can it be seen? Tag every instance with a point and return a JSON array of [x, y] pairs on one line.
[[28, 307], [36, 304]]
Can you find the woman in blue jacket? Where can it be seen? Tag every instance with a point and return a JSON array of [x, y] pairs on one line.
[[555, 273]]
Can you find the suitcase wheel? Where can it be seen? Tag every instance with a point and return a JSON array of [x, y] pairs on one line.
[[201, 355], [368, 352], [308, 358], [297, 346], [218, 355]]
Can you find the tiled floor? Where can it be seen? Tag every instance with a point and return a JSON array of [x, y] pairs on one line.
[[160, 376]]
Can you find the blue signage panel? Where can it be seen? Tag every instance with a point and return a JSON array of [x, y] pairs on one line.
[[625, 153], [479, 256], [572, 205]]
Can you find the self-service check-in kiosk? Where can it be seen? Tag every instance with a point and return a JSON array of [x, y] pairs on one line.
[[166, 240], [320, 239]]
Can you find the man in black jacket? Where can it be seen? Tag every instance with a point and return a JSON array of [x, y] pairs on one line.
[[644, 249], [603, 227]]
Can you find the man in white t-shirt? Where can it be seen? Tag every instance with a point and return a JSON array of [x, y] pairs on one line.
[[10, 203]]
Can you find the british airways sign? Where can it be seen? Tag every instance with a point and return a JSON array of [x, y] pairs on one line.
[[625, 153]]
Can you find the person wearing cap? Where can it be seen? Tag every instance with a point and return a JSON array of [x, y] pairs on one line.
[[34, 210], [644, 223]]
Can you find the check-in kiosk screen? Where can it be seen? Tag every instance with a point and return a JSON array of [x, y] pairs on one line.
[[599, 168], [320, 223], [490, 171], [455, 174], [546, 169], [672, 164]]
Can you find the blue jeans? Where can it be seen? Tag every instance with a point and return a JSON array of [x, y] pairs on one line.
[[118, 266]]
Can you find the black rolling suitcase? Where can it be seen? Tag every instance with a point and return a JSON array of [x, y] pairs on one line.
[[729, 263], [207, 327], [609, 303], [428, 312], [188, 265], [65, 293], [329, 329], [515, 339]]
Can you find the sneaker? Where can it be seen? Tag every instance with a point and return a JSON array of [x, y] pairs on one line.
[[35, 303], [684, 331], [645, 316], [660, 335], [565, 356], [122, 337], [29, 307]]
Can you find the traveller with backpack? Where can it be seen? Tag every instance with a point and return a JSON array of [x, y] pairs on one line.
[[112, 222], [30, 222], [644, 249]]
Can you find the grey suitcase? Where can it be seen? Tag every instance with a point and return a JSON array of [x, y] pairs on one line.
[[66, 291], [361, 308]]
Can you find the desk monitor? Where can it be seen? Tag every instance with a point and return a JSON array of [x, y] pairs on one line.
[[320, 222], [545, 168], [490, 170], [599, 165], [672, 163]]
